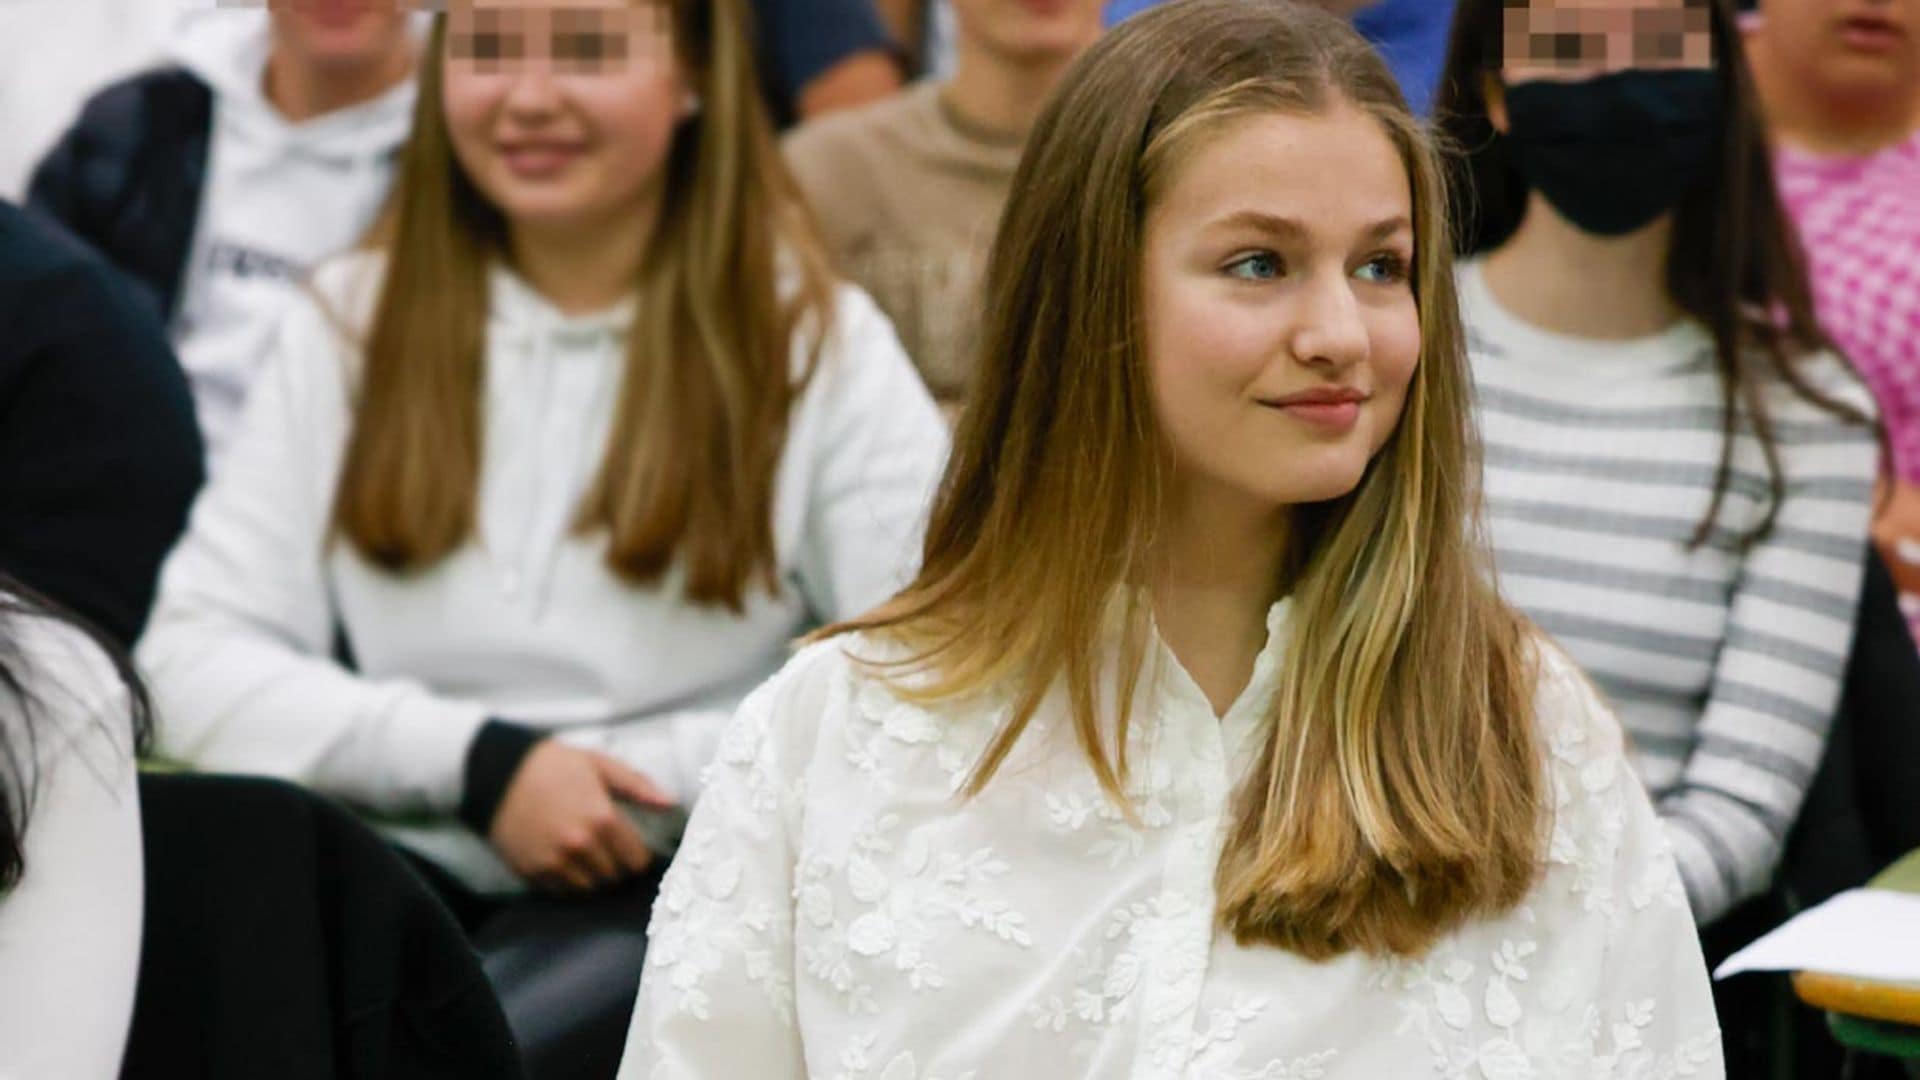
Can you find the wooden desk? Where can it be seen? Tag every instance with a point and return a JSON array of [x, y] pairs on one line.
[[1853, 1004]]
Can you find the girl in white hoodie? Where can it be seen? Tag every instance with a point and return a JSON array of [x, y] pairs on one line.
[[531, 493]]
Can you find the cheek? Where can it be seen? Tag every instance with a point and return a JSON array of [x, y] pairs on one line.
[[1203, 340], [1395, 355], [634, 118], [469, 102]]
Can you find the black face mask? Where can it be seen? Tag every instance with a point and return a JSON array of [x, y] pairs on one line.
[[1615, 152]]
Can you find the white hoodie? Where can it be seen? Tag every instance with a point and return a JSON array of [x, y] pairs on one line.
[[525, 622], [279, 198]]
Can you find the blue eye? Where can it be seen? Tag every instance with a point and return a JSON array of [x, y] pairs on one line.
[[1259, 266], [1383, 270]]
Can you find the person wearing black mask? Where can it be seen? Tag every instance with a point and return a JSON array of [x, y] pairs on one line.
[[1679, 466]]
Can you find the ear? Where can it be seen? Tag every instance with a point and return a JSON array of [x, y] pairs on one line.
[[1496, 94]]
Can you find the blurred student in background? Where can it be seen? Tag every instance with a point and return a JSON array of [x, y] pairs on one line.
[[1841, 84], [1679, 468], [821, 56], [531, 493], [220, 180], [908, 191]]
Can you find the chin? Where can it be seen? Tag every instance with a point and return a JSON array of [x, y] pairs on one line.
[[1317, 482], [1297, 490], [537, 205], [1043, 48], [367, 40]]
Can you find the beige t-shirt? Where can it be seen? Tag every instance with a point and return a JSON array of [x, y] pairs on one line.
[[909, 202]]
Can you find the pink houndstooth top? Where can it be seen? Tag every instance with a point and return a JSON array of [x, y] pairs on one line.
[[1859, 219]]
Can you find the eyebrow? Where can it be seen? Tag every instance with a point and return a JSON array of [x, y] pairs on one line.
[[1288, 228]]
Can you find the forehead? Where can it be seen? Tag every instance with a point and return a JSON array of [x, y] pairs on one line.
[[1331, 171]]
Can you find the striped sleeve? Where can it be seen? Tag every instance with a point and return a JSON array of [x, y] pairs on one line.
[[1776, 679]]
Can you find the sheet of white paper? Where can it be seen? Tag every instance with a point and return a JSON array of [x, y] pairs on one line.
[[1863, 933]]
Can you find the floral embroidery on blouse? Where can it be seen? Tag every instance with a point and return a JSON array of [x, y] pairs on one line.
[[839, 910]]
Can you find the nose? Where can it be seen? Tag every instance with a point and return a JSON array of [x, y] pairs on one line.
[[533, 94], [1329, 331]]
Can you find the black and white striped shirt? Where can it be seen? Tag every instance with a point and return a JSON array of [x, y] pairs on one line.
[[1723, 664]]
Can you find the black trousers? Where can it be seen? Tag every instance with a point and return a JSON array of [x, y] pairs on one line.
[[566, 968]]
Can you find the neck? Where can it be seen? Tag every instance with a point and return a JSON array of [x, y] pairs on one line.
[[1841, 125], [1619, 293], [1216, 577], [997, 97], [302, 91], [584, 268]]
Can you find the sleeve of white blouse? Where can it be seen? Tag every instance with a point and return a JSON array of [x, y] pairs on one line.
[[1641, 998], [1776, 681], [717, 996], [881, 450], [238, 651], [70, 929]]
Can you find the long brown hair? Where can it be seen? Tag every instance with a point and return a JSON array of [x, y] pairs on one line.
[[731, 272], [1399, 791], [1735, 264]]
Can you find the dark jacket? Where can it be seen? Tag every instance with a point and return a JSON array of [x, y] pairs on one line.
[[285, 939], [100, 455], [128, 175]]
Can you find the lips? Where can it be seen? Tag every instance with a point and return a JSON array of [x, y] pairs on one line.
[[1870, 33], [539, 160], [1333, 409]]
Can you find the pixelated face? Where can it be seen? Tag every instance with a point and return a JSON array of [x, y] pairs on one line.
[[341, 32], [1861, 48], [562, 112], [1570, 40]]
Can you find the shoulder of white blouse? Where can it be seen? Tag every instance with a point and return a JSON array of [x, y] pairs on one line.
[[1574, 721], [792, 708]]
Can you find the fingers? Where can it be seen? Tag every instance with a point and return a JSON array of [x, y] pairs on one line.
[[624, 843], [632, 786], [589, 857], [567, 879], [618, 835]]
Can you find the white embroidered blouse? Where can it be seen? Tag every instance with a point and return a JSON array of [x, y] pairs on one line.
[[837, 913]]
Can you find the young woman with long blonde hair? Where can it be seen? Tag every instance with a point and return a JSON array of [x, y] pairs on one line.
[[1202, 745], [535, 490]]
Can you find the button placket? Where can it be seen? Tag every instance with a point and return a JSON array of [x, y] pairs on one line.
[[1181, 943]]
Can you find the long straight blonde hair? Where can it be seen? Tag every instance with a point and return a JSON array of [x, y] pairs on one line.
[[731, 272], [1399, 791]]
